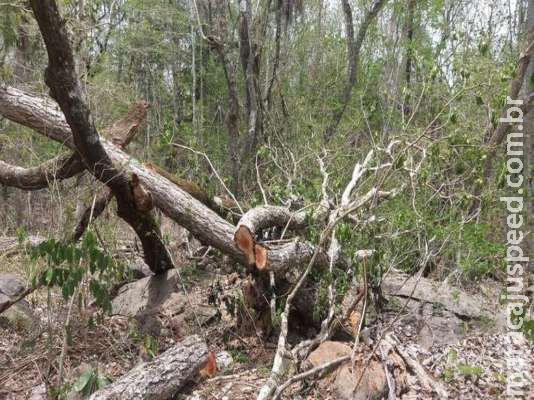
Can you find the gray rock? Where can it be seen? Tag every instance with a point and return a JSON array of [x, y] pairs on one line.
[[156, 295], [441, 294], [11, 285], [138, 270], [39, 392], [224, 360], [18, 315], [148, 294]]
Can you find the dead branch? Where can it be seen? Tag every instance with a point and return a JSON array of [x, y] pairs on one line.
[[320, 369], [40, 176], [23, 295], [428, 383]]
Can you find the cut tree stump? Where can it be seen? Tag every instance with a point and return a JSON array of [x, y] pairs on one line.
[[161, 378]]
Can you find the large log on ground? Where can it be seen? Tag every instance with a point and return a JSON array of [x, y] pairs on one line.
[[161, 378]]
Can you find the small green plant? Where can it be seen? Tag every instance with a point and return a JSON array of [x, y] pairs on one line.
[[448, 374], [239, 356], [456, 296], [189, 273], [151, 346], [470, 370], [67, 264], [527, 326], [455, 368], [90, 381]]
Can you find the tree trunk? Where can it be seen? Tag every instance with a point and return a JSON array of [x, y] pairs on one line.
[[409, 31], [353, 59], [61, 78], [161, 378]]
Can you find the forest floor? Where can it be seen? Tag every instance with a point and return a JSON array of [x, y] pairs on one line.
[[467, 357]]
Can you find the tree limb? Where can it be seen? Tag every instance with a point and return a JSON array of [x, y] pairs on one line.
[[40, 176], [205, 224]]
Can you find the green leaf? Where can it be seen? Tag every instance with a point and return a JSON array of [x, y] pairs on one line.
[[83, 381], [484, 48], [49, 276]]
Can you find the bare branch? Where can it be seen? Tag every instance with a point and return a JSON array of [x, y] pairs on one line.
[[40, 176]]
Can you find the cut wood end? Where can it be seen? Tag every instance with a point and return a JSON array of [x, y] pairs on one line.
[[260, 253], [245, 242], [210, 370]]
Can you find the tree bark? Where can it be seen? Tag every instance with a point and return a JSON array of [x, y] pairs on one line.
[[353, 59], [61, 78], [250, 66], [161, 378]]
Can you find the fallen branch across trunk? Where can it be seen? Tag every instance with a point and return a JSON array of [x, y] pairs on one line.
[[161, 378], [121, 133]]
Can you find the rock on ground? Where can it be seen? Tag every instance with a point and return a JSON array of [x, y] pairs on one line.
[[19, 314]]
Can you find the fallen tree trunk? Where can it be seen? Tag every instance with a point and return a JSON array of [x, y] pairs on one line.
[[193, 189], [205, 224], [161, 378], [41, 114]]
